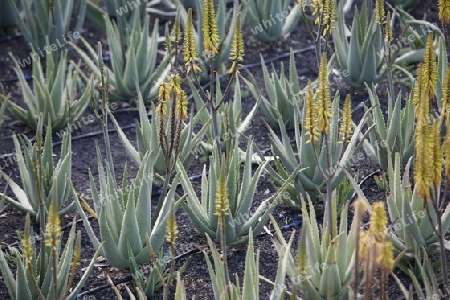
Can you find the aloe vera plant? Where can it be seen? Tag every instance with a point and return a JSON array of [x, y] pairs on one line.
[[128, 55], [49, 273], [323, 267], [240, 196], [361, 59], [41, 179], [54, 95], [125, 216], [271, 20], [312, 180], [396, 134], [412, 228], [285, 95], [42, 19]]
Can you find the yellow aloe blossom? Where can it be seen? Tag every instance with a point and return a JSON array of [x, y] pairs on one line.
[[329, 16], [237, 48], [175, 84], [345, 129], [423, 175], [318, 7], [323, 96], [301, 4], [429, 67], [27, 247], [311, 121], [380, 16], [388, 36], [172, 229], [363, 243], [385, 256], [222, 202], [437, 161], [164, 98], [378, 222], [182, 106], [53, 228], [444, 11], [210, 31], [190, 47]]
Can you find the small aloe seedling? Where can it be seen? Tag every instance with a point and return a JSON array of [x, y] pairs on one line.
[[50, 273], [133, 59], [42, 180], [271, 20], [54, 95]]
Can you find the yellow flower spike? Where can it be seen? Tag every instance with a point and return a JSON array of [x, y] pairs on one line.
[[190, 47], [323, 96], [388, 36], [182, 106], [385, 257], [301, 4], [380, 16], [444, 11], [437, 161], [237, 48], [430, 67], [363, 242], [172, 229], [222, 202], [378, 222], [175, 85], [329, 16], [318, 6], [423, 176], [164, 98], [53, 227], [210, 31], [311, 120], [27, 247], [345, 129]]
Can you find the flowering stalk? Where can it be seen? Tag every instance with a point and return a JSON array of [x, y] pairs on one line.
[[222, 208], [171, 236], [27, 250], [52, 239], [376, 250]]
